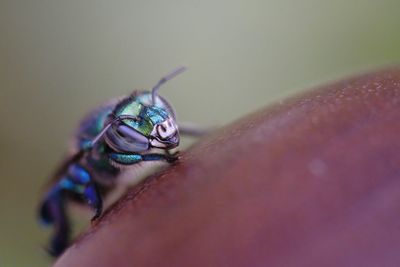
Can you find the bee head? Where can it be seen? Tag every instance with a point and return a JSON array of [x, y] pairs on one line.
[[147, 122]]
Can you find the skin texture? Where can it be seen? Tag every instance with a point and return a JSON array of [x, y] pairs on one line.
[[312, 181]]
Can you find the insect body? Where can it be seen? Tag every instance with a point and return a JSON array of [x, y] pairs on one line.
[[139, 128]]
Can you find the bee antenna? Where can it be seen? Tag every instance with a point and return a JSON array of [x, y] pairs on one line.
[[165, 79], [108, 125]]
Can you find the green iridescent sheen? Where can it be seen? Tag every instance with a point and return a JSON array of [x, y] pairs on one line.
[[144, 126], [145, 99], [140, 107], [126, 159], [132, 109], [156, 114]]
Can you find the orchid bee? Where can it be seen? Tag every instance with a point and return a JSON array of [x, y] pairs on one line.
[[110, 140]]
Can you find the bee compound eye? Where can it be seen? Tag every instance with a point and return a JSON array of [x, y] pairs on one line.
[[130, 134], [121, 131]]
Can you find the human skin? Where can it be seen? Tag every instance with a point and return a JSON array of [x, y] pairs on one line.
[[311, 181]]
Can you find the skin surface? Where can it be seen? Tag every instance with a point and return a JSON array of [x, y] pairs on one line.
[[313, 181]]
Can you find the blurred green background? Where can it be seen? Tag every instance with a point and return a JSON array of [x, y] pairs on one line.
[[58, 59]]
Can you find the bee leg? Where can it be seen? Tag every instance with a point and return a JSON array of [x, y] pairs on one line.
[[129, 159], [52, 211], [78, 182]]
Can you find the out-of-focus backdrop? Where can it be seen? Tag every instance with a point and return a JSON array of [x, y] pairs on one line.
[[58, 59]]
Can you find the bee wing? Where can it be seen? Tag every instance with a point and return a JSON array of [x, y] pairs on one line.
[[62, 168], [88, 128], [92, 124]]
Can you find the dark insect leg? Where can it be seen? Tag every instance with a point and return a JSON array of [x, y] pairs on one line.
[[52, 211], [77, 181], [129, 159]]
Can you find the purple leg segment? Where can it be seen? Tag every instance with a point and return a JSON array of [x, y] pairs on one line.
[[78, 182]]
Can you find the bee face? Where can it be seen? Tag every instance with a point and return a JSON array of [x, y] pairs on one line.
[[165, 134], [120, 133]]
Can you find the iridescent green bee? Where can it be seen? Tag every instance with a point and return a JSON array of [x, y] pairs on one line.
[[139, 128]]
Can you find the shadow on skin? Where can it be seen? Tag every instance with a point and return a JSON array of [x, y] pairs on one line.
[[314, 181]]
